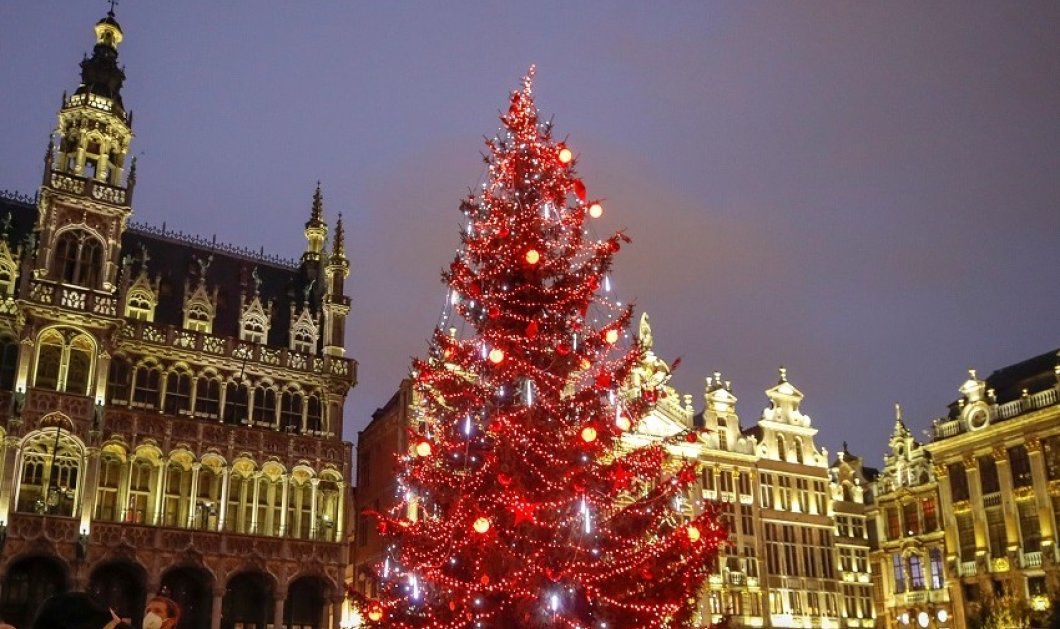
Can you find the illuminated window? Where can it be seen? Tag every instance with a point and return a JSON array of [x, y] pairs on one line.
[[899, 573], [140, 306], [291, 411], [78, 258], [178, 393], [146, 384], [916, 573], [936, 568], [65, 358], [208, 397]]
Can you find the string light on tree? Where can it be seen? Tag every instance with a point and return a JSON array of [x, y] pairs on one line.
[[531, 510]]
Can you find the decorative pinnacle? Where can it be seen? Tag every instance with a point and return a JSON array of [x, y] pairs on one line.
[[338, 250], [783, 375], [316, 216]]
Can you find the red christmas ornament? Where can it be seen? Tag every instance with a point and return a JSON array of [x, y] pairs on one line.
[[474, 289], [578, 485], [504, 232], [649, 395], [531, 330], [504, 479], [603, 380], [579, 189], [691, 437], [594, 283], [563, 349], [646, 574], [615, 245], [494, 311]]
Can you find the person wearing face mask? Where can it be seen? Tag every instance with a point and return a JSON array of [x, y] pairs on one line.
[[161, 613]]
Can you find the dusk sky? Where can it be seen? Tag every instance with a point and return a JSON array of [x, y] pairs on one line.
[[867, 193]]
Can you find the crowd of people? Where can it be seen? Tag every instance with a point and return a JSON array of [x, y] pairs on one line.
[[78, 610]]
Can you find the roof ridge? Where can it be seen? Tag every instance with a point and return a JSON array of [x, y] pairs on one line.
[[236, 251]]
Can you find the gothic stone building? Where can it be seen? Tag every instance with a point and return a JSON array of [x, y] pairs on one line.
[[170, 408]]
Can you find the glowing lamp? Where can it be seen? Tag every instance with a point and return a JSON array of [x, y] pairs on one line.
[[693, 534], [588, 434], [533, 256], [564, 155], [923, 619], [584, 363], [375, 613], [611, 336], [481, 525], [943, 615], [423, 448], [496, 355], [596, 210], [623, 423]]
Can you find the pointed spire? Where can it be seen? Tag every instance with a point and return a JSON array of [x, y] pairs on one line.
[[338, 249], [316, 215], [783, 375]]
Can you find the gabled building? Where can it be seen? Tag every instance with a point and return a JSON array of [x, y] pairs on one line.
[[906, 529], [170, 407]]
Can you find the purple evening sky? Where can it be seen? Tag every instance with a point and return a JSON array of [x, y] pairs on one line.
[[866, 193]]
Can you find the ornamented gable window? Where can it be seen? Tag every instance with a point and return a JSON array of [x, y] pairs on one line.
[[305, 331], [200, 307], [254, 320], [78, 258]]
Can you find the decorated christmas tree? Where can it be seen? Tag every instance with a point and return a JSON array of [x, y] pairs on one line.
[[523, 505]]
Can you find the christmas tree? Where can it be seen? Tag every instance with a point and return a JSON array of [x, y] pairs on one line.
[[523, 506]]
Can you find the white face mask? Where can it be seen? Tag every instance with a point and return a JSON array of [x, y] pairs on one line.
[[152, 621]]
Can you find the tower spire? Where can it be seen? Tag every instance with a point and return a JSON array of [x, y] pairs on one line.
[[316, 230], [338, 249]]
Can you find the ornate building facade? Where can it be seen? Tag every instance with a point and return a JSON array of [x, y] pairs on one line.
[[798, 552], [967, 523], [908, 541], [170, 407]]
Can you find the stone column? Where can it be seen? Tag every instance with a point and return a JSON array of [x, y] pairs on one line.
[[313, 483], [336, 613], [254, 504], [222, 511], [102, 371], [285, 485], [1041, 494], [193, 497], [125, 488], [160, 490], [1008, 504], [975, 493], [277, 611], [215, 612], [949, 518], [88, 489], [270, 511], [340, 513]]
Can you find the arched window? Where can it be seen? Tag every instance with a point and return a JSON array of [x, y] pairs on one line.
[[64, 360], [178, 393], [207, 397], [198, 318], [327, 509], [240, 499], [145, 389], [291, 411], [107, 505], [175, 500], [51, 473], [142, 475], [78, 258], [300, 508], [302, 340], [140, 306], [8, 362], [119, 381], [782, 452], [265, 406], [798, 450], [207, 499], [235, 403], [314, 421]]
